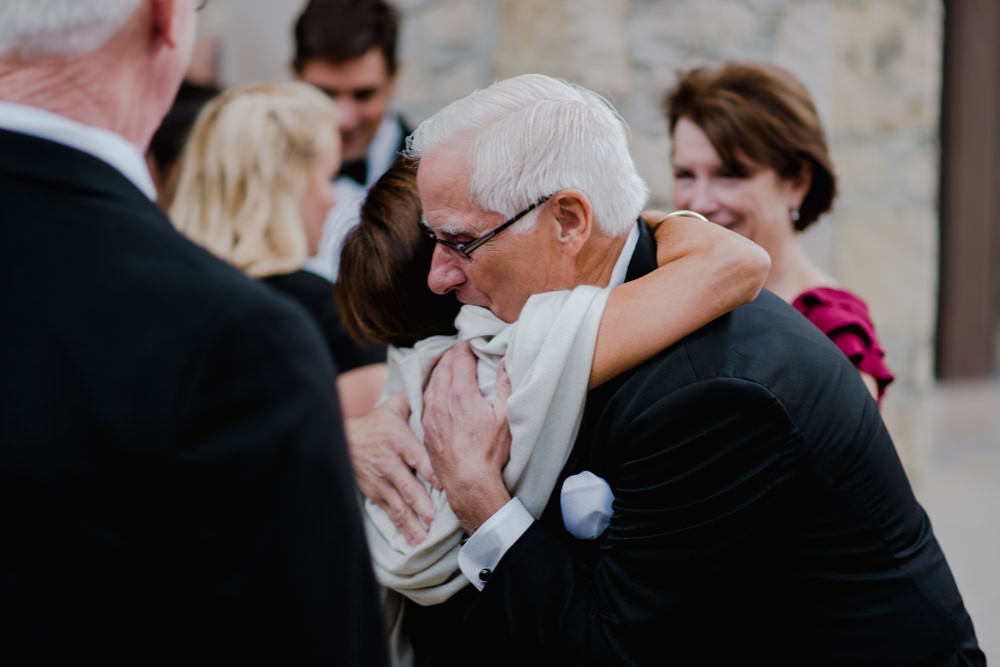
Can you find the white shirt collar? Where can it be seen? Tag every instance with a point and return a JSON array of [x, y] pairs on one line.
[[381, 151], [621, 266], [105, 145]]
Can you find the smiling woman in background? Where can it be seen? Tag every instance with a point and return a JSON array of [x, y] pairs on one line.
[[749, 153], [254, 189]]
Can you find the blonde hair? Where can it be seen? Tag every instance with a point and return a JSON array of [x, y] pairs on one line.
[[245, 170]]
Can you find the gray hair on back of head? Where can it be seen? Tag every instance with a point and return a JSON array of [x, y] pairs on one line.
[[35, 29], [532, 135]]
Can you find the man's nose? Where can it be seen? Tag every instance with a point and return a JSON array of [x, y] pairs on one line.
[[349, 112], [445, 273]]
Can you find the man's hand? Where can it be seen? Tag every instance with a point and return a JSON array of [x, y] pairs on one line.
[[385, 454], [467, 437]]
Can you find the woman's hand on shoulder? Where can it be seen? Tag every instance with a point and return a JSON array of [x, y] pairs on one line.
[[385, 453]]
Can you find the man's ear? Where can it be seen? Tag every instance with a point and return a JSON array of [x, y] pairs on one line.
[[574, 216], [163, 22]]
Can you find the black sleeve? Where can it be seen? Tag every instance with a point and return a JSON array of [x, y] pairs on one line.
[[315, 293], [347, 353]]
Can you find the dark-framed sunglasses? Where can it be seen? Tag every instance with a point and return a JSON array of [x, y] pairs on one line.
[[465, 249]]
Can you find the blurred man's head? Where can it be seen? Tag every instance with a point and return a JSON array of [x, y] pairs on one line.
[[347, 48], [111, 63]]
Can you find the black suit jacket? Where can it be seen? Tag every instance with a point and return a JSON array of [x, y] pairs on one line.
[[761, 516], [173, 479]]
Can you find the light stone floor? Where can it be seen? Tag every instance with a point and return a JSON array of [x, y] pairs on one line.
[[957, 479]]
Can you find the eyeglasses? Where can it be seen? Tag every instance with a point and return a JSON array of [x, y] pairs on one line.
[[465, 249]]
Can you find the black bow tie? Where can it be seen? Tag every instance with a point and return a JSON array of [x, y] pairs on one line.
[[358, 170]]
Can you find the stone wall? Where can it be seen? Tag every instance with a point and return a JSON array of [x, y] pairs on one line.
[[873, 67]]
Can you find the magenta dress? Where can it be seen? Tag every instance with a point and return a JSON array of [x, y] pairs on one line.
[[844, 318]]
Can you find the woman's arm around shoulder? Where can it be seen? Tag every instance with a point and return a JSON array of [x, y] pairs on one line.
[[704, 271]]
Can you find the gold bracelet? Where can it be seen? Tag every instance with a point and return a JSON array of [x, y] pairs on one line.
[[674, 214], [683, 211]]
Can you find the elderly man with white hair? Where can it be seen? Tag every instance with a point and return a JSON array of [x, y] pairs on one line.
[[175, 486], [754, 509]]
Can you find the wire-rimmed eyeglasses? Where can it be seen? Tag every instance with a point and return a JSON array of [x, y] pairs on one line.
[[465, 249]]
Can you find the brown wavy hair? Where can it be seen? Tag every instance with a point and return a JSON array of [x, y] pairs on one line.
[[758, 114], [382, 291]]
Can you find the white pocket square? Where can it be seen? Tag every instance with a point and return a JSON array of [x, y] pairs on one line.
[[586, 505]]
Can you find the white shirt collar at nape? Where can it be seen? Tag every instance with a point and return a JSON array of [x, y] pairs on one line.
[[624, 259], [105, 145]]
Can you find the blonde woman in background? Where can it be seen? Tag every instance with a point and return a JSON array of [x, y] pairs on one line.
[[254, 189]]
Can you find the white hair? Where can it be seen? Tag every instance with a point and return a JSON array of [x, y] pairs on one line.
[[532, 135], [32, 29]]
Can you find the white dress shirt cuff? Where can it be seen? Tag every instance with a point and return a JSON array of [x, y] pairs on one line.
[[481, 553]]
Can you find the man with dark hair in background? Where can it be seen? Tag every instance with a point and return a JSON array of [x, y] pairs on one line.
[[347, 49]]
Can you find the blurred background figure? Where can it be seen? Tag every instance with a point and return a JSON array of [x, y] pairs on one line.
[[347, 49], [750, 153], [254, 189]]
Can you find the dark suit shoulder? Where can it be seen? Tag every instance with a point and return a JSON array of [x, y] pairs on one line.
[[114, 295], [755, 343], [765, 348]]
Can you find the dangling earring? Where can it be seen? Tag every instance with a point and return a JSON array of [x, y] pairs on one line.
[[794, 214]]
